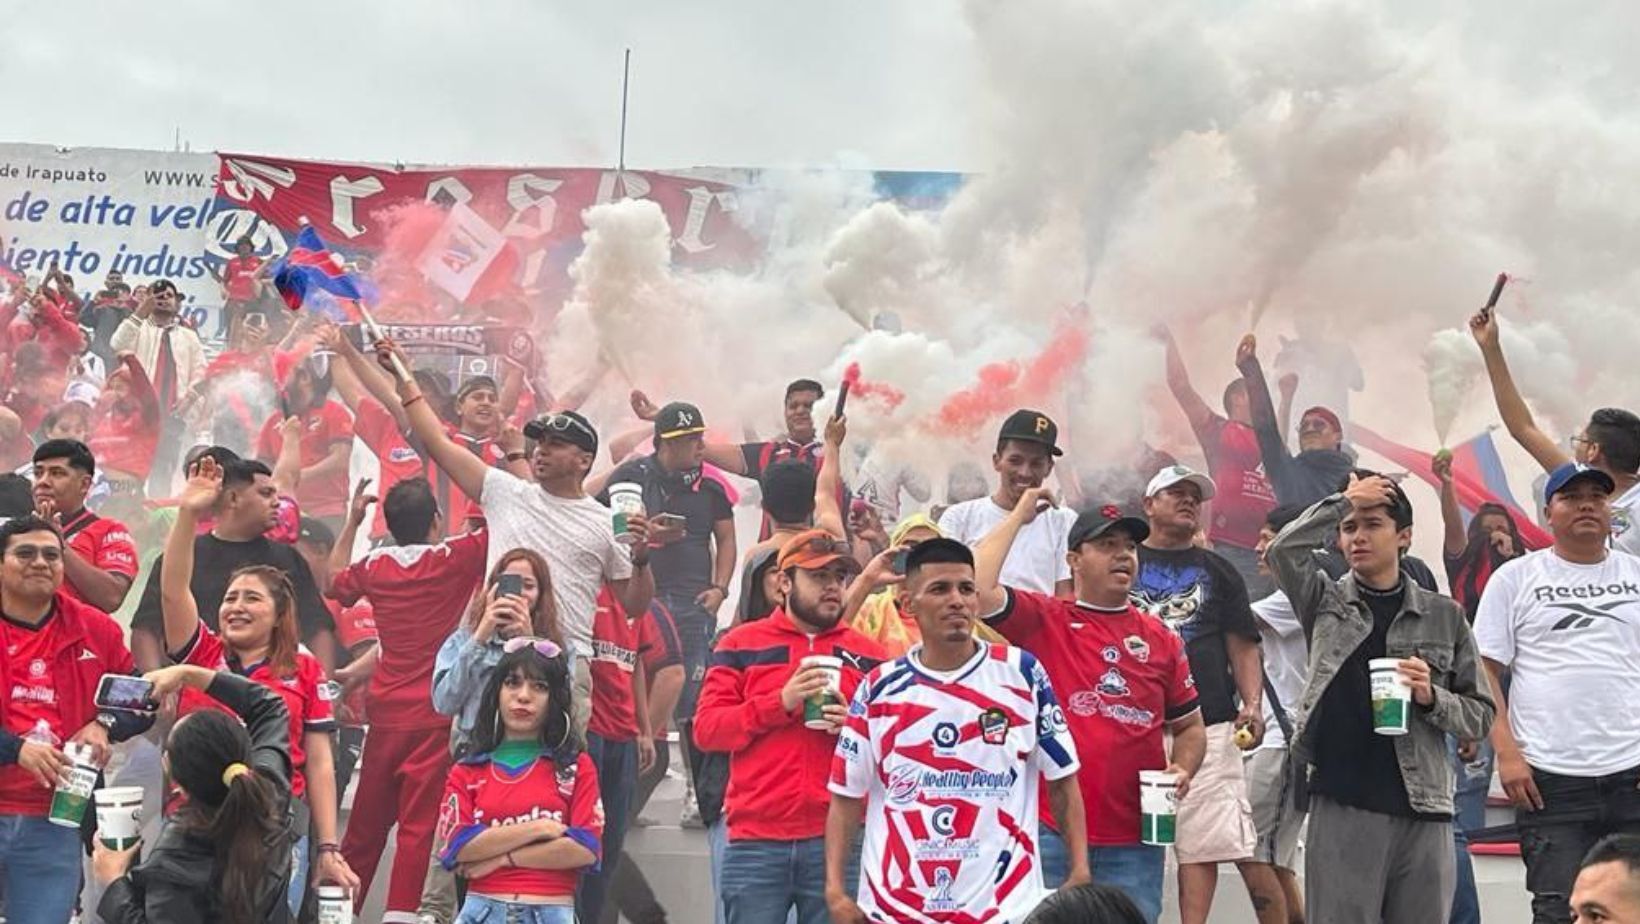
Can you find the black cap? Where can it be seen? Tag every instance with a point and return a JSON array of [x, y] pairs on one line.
[[1029, 426], [565, 426], [312, 529], [678, 419], [1101, 520], [474, 383]]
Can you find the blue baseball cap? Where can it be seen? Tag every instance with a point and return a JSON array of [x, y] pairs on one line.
[[1572, 472]]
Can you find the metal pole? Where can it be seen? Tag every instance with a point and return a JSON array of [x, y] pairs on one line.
[[626, 77]]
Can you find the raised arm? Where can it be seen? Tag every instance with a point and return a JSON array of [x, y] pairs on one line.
[[828, 515], [287, 466], [176, 572], [1178, 382], [341, 555], [467, 470], [1454, 538], [1517, 416], [1277, 460], [992, 551]]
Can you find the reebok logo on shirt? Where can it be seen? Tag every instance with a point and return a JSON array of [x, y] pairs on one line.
[[1589, 592], [1582, 616]]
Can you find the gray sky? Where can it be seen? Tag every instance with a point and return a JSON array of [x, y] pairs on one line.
[[715, 82]]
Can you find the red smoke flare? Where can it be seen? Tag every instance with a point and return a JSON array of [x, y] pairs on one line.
[[1005, 386], [860, 388]]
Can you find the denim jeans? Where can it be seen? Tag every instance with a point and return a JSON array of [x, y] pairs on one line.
[[695, 630], [298, 874], [1577, 811], [717, 842], [617, 763], [764, 882], [480, 910], [1474, 777], [1136, 869], [41, 866]]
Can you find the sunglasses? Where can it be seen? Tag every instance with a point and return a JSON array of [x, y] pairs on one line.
[[26, 554], [556, 423], [545, 647], [825, 545], [1314, 425]]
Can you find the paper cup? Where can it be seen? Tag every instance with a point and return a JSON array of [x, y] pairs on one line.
[[814, 706], [1391, 697], [625, 499], [1158, 807], [73, 793], [119, 816], [334, 906]]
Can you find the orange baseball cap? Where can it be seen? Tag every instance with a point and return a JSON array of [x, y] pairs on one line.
[[814, 549]]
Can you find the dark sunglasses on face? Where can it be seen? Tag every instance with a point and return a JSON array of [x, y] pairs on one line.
[[26, 554]]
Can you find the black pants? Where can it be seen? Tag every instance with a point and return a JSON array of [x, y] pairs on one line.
[[630, 894], [1577, 811]]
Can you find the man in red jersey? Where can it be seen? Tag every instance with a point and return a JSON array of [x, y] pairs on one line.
[[99, 560], [1122, 675], [327, 437], [752, 706], [419, 589]]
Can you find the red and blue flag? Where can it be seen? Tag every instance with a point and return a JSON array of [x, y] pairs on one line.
[[310, 268]]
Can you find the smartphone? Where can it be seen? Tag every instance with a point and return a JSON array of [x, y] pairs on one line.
[[509, 585], [668, 520], [126, 693], [899, 563]]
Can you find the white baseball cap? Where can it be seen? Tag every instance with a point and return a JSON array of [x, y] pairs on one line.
[[1175, 474]]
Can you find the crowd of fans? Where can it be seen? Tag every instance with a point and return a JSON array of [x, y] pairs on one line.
[[943, 715]]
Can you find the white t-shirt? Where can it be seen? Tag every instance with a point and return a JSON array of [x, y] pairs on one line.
[[1570, 635], [576, 537], [1286, 661], [951, 819], [1626, 521], [1036, 561]]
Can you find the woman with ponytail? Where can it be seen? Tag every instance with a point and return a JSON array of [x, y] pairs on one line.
[[226, 855], [522, 818], [258, 641]]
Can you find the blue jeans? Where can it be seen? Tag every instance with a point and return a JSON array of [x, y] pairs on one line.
[[1470, 801], [617, 763], [298, 875], [1136, 869], [41, 864], [480, 910], [717, 842], [695, 630], [764, 882]]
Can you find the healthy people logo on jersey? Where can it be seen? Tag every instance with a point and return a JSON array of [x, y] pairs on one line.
[[908, 781]]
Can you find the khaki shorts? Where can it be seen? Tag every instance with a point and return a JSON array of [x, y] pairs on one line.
[[1278, 822], [1215, 818]]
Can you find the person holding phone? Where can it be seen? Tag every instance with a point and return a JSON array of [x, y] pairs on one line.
[[258, 640]]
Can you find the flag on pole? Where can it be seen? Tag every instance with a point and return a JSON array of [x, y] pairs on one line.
[[309, 269], [469, 258], [1477, 476]]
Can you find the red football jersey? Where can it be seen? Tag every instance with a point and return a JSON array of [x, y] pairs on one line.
[[481, 795], [396, 459], [105, 543], [322, 428], [614, 658], [32, 698]]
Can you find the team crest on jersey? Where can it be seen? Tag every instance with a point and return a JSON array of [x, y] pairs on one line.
[[1111, 654], [993, 726], [448, 816], [1084, 702], [1620, 521], [36, 668], [940, 899], [1137, 647], [1113, 683]]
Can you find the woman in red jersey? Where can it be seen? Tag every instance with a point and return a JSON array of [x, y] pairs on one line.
[[257, 640], [522, 818]]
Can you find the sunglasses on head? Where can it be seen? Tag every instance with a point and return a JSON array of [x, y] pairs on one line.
[[557, 423], [545, 647], [826, 545]]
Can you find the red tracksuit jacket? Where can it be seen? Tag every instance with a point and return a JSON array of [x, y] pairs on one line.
[[778, 769]]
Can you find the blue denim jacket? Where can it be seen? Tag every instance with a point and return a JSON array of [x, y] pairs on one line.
[[1430, 626]]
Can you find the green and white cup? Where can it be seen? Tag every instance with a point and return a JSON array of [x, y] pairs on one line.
[[119, 816], [625, 500], [334, 906], [1391, 697], [73, 793], [814, 707], [1158, 807]]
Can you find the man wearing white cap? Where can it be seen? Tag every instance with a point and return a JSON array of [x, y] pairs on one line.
[[1201, 596]]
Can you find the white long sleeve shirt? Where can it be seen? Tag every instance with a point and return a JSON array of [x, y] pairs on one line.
[[142, 337]]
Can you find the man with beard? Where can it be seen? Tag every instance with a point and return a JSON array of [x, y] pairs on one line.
[[99, 559], [171, 354], [1565, 623], [1125, 681], [327, 439], [1026, 448], [1321, 462], [1201, 597], [952, 703], [752, 707]]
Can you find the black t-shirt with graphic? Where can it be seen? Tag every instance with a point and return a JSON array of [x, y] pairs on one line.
[[1201, 597], [683, 567]]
